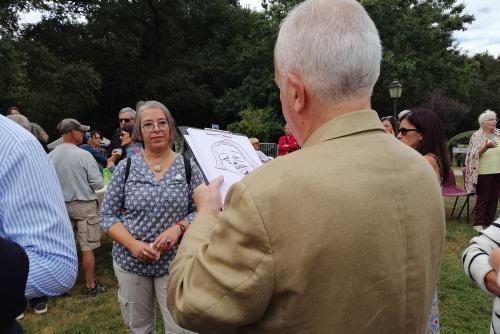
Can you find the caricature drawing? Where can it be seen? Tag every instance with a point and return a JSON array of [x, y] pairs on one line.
[[232, 157]]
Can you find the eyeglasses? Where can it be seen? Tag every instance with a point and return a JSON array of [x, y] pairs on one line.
[[404, 131], [126, 120], [123, 134], [150, 126], [387, 118]]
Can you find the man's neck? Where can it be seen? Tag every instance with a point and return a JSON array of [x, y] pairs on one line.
[[320, 114], [69, 140]]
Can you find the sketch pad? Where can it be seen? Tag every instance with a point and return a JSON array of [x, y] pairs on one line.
[[223, 153]]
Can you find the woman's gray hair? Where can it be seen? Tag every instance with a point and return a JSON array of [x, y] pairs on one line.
[[21, 120], [333, 45], [137, 135], [486, 116], [127, 109]]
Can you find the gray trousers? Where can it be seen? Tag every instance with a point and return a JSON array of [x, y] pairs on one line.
[[136, 295]]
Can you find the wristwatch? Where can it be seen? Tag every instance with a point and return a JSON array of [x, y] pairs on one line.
[[182, 227]]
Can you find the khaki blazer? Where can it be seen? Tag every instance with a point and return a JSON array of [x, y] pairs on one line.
[[343, 236]]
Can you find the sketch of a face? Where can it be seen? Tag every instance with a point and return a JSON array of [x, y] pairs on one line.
[[232, 157]]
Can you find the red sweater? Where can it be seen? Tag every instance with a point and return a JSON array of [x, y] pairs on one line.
[[287, 144]]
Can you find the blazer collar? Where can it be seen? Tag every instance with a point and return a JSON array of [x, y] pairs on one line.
[[345, 125]]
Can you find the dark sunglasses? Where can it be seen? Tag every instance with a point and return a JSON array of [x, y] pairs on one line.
[[123, 134], [126, 120], [404, 131]]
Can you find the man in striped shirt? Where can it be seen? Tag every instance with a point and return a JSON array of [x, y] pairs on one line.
[[477, 267], [32, 212]]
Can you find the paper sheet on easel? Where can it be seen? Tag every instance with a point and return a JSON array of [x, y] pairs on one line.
[[222, 153]]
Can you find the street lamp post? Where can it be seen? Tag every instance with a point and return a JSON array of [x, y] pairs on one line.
[[395, 89]]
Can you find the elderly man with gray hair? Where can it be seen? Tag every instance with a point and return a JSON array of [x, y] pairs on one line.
[[125, 116], [343, 236]]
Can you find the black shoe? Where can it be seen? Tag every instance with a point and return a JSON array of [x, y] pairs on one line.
[[39, 304], [92, 292]]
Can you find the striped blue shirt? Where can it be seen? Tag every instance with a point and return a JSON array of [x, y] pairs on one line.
[[33, 214]]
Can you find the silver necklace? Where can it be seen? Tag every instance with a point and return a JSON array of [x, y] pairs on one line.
[[157, 166]]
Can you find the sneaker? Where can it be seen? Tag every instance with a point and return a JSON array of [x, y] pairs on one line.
[[20, 317], [478, 228], [39, 304], [92, 292]]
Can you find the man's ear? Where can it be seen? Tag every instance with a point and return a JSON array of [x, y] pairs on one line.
[[297, 92]]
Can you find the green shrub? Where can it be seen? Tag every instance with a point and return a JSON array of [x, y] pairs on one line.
[[460, 140]]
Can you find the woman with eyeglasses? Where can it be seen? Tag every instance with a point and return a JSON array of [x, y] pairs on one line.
[[482, 169], [422, 130], [390, 125], [146, 213], [129, 146], [125, 116]]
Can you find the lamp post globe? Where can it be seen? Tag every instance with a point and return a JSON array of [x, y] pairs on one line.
[[395, 90]]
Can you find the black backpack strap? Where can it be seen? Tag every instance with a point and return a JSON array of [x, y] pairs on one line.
[[127, 171], [187, 168]]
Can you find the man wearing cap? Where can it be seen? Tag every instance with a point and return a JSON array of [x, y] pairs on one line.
[[80, 177]]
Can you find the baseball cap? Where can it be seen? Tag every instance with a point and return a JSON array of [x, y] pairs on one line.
[[70, 124]]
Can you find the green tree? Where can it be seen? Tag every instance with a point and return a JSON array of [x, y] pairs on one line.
[[10, 71], [259, 123], [418, 47], [52, 89], [210, 60]]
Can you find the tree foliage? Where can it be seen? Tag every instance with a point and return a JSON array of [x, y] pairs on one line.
[[212, 61], [260, 123]]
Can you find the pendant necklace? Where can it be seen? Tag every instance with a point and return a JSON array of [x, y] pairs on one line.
[[157, 167]]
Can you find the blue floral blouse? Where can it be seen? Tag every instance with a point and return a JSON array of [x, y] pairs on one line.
[[151, 206]]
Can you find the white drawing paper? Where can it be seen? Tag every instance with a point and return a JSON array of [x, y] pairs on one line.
[[222, 153]]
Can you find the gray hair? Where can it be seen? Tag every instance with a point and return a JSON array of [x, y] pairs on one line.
[[333, 45], [21, 120], [137, 134], [127, 109], [486, 116], [39, 132], [403, 114]]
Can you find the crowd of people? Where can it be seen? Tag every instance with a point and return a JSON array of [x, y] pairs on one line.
[[300, 247]]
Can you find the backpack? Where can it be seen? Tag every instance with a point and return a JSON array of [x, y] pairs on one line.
[[187, 170]]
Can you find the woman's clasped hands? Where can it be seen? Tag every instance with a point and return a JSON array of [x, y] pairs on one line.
[[144, 252]]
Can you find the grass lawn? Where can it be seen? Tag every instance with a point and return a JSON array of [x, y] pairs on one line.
[[463, 307]]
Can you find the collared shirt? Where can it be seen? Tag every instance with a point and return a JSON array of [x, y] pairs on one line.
[[151, 206], [77, 172], [33, 214]]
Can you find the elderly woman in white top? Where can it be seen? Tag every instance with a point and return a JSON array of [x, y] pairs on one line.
[[483, 168]]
